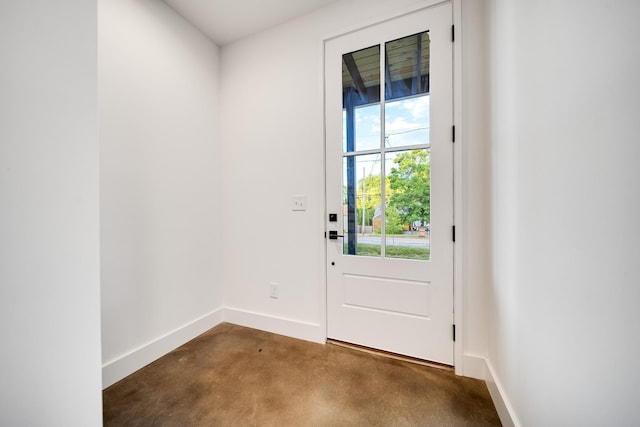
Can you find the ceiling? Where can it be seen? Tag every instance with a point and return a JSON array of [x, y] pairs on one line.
[[225, 21]]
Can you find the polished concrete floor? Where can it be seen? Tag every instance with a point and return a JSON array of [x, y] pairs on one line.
[[236, 376]]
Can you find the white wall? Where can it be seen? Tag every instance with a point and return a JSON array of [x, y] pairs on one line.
[[49, 240], [161, 199], [566, 203], [272, 128]]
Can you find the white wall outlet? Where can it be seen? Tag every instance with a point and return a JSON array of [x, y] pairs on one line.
[[274, 292], [299, 203]]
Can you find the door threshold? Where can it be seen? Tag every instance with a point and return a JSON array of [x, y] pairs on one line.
[[391, 355]]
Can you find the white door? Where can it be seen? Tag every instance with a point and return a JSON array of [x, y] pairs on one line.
[[389, 183]]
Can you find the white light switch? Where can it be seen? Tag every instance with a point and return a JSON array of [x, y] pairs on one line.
[[299, 203]]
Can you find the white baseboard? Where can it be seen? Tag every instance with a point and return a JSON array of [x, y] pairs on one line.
[[120, 367], [277, 325], [502, 404], [474, 366], [117, 369]]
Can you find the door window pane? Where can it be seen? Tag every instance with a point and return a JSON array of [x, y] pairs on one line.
[[362, 199], [408, 207], [407, 66], [407, 121], [367, 127], [407, 91], [361, 99]]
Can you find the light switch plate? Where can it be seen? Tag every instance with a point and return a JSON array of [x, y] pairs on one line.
[[273, 290], [299, 203]]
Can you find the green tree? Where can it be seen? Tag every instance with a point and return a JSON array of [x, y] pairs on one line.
[[394, 221], [410, 184], [372, 196]]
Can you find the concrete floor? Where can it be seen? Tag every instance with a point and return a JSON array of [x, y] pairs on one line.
[[236, 376]]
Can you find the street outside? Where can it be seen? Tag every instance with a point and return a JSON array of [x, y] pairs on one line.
[[393, 240]]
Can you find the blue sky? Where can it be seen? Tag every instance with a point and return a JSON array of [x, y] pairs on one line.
[[406, 123]]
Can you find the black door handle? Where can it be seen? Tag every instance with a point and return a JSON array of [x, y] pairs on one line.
[[333, 235]]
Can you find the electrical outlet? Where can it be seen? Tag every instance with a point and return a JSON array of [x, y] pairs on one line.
[[274, 291]]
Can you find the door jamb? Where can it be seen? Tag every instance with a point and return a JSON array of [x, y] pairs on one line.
[[459, 288]]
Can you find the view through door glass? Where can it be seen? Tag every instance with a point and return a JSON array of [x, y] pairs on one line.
[[386, 178]]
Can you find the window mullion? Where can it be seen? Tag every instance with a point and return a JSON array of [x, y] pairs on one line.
[[383, 138]]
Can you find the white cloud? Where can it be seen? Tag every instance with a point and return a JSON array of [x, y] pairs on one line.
[[407, 121], [420, 110]]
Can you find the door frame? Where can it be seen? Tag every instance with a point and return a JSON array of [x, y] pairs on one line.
[[459, 201]]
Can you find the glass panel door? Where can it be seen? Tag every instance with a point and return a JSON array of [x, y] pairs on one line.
[[389, 183]]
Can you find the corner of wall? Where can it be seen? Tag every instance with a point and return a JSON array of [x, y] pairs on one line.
[[117, 369]]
